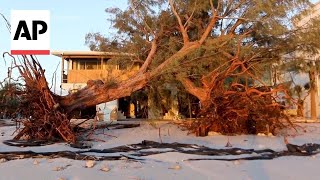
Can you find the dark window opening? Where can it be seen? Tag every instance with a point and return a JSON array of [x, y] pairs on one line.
[[89, 112], [87, 64]]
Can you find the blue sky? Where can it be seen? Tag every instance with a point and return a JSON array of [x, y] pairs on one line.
[[71, 20]]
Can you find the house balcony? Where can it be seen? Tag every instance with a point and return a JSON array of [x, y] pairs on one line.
[[82, 76]]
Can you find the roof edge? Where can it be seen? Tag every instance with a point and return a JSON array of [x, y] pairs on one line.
[[89, 53]]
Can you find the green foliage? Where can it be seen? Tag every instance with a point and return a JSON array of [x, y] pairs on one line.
[[159, 93], [258, 32], [9, 99], [110, 83]]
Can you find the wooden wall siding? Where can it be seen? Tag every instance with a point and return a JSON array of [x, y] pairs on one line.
[[82, 76]]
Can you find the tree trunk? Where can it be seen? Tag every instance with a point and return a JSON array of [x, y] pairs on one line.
[[313, 104], [97, 92], [300, 109], [202, 93], [189, 107], [313, 92]]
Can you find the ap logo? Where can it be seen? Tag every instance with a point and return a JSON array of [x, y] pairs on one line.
[[30, 32]]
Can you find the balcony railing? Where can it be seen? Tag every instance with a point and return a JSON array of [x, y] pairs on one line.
[[82, 76]]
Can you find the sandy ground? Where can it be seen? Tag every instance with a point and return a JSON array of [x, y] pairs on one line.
[[171, 165]]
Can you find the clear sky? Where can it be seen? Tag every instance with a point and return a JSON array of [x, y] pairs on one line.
[[70, 21]]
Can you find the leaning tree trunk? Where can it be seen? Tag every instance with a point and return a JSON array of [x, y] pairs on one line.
[[97, 92]]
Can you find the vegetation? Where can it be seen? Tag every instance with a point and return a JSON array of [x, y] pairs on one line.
[[218, 51], [9, 100]]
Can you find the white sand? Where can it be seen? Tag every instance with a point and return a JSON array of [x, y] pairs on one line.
[[169, 165]]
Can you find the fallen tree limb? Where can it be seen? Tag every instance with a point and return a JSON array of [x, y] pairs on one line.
[[137, 150], [26, 143]]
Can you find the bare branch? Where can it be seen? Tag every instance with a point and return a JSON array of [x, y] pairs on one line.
[[229, 11], [209, 27], [149, 58], [234, 27], [188, 20], [212, 7], [181, 26]]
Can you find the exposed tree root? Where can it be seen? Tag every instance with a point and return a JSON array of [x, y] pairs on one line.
[[235, 101], [44, 120], [46, 115], [243, 111]]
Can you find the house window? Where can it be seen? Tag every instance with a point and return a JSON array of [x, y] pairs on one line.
[[90, 64], [82, 65]]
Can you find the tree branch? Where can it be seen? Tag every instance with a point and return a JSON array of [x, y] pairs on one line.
[[209, 28], [198, 92], [149, 58], [234, 27], [181, 26]]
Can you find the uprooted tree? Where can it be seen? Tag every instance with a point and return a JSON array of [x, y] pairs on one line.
[[233, 95], [220, 51], [213, 48]]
